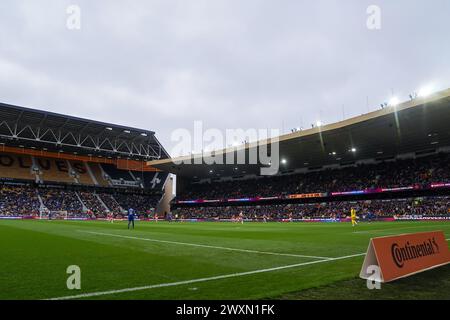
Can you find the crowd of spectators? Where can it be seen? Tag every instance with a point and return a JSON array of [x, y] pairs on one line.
[[109, 200], [18, 201], [141, 203], [433, 206], [23, 200], [93, 204], [61, 200], [389, 174]]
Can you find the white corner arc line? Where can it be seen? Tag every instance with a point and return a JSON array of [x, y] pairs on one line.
[[179, 283], [206, 246]]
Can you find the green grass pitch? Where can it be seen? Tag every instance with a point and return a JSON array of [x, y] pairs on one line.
[[202, 260]]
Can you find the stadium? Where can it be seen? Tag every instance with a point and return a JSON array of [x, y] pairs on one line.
[[224, 159], [67, 185]]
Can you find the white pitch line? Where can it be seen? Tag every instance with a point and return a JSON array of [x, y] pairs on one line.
[[179, 283], [207, 246]]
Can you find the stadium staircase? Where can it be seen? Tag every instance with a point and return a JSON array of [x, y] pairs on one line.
[[100, 175], [36, 171], [114, 199], [81, 173], [85, 208], [41, 202], [91, 174], [101, 202]]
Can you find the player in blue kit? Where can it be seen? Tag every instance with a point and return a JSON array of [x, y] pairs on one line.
[[130, 217]]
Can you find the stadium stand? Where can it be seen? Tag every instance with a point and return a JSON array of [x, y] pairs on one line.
[[55, 170], [22, 167], [388, 154], [57, 163], [78, 202], [79, 171], [111, 203], [116, 174], [97, 174], [407, 176], [431, 206], [18, 200], [386, 174], [392, 172], [16, 167], [93, 203], [23, 200], [151, 180], [141, 203], [62, 200]]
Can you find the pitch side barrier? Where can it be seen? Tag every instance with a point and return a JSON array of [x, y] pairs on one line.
[[325, 220], [274, 220]]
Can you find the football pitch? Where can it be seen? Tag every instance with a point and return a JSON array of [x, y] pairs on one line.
[[182, 260]]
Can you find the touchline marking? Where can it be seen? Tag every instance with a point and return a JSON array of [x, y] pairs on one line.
[[206, 246], [179, 283]]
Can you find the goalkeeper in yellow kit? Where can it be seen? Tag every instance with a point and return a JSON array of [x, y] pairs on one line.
[[353, 217]]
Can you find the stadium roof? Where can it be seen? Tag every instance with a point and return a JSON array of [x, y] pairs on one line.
[[37, 129], [418, 125]]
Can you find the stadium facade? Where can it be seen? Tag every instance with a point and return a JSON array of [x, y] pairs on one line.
[[76, 168], [393, 162]]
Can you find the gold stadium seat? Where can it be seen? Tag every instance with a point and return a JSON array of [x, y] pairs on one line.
[[16, 167]]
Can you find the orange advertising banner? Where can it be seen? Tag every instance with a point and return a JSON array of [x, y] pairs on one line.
[[404, 255]]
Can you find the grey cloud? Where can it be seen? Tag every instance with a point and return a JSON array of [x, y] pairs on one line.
[[234, 64]]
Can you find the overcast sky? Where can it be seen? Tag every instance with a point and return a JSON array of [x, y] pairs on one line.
[[160, 65]]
